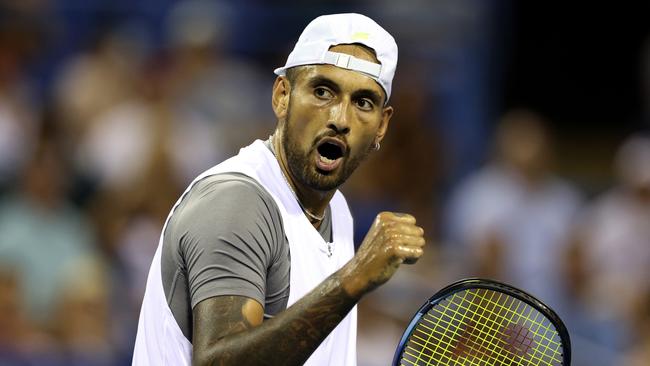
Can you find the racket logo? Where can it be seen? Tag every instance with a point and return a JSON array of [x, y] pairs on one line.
[[472, 341], [518, 339], [468, 343]]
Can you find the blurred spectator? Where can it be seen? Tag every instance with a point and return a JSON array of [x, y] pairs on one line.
[[110, 103], [128, 222], [42, 234], [181, 104], [511, 219], [83, 325], [123, 142], [92, 82], [220, 101], [612, 240]]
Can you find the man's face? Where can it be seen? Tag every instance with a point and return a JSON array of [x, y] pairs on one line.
[[334, 117]]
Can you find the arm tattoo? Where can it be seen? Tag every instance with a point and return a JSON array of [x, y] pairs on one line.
[[224, 317], [288, 339]]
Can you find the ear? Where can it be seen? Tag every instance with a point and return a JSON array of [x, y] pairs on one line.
[[386, 115], [280, 97]]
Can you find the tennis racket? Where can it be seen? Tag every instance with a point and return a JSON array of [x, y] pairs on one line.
[[478, 322]]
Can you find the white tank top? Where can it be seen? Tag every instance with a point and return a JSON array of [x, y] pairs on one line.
[[160, 340]]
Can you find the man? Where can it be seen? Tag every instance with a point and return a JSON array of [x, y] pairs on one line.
[[256, 263], [512, 218]]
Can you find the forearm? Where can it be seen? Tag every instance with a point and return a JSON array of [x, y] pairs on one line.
[[289, 338]]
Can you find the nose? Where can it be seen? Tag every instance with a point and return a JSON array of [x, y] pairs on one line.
[[339, 118]]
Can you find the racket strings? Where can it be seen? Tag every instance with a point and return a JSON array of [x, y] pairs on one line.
[[475, 329], [481, 346], [477, 350], [546, 341], [487, 346], [546, 325], [436, 351], [430, 335], [489, 343], [484, 349]]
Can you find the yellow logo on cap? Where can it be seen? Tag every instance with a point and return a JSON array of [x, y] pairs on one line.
[[360, 36]]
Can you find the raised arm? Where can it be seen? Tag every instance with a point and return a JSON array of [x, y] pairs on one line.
[[228, 330]]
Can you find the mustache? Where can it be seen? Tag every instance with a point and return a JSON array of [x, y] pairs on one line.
[[330, 133]]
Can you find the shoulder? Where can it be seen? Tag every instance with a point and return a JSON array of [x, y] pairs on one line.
[[232, 183], [227, 205], [229, 191]]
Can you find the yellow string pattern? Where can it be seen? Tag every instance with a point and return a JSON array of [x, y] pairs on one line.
[[481, 327]]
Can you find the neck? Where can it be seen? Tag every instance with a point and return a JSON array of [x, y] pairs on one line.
[[313, 202]]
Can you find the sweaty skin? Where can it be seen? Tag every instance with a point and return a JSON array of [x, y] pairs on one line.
[[348, 106]]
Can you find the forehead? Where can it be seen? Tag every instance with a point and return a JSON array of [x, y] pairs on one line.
[[348, 79]]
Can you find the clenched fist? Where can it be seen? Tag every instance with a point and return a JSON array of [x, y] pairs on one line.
[[393, 239]]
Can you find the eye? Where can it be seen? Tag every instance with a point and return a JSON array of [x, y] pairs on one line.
[[364, 104], [322, 92]]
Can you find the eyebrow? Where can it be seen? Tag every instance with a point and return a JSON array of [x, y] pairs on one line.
[[368, 93], [321, 80], [357, 94]]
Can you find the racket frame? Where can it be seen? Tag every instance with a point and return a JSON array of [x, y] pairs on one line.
[[482, 283]]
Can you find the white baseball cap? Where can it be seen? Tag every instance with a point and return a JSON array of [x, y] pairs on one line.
[[331, 30]]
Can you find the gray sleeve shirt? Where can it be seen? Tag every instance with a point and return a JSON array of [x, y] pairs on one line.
[[226, 237]]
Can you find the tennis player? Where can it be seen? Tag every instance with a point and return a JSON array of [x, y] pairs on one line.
[[256, 262]]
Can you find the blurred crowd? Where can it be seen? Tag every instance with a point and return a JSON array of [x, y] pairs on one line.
[[92, 159], [89, 176], [517, 221]]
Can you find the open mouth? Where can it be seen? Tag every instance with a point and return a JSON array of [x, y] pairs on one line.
[[330, 152]]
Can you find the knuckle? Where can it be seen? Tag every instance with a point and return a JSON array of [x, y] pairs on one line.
[[384, 215], [387, 224], [405, 215], [393, 250], [388, 252]]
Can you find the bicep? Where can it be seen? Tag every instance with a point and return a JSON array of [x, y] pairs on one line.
[[217, 317]]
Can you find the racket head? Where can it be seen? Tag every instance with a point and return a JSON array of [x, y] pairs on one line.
[[511, 337]]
